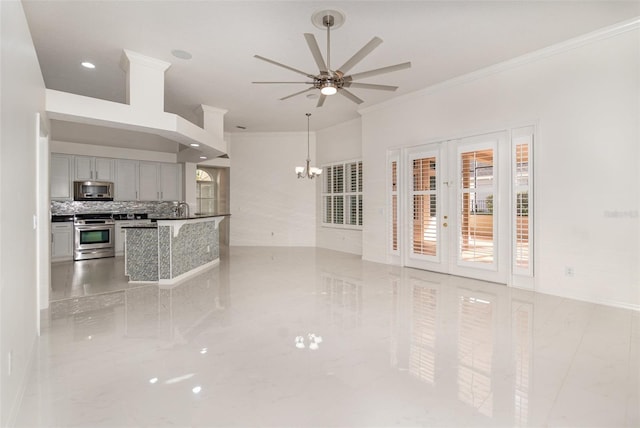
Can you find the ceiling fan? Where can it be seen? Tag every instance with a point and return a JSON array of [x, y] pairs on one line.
[[328, 80]]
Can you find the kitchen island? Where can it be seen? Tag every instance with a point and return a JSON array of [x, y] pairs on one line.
[[172, 248]]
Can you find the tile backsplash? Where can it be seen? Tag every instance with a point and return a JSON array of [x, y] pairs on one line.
[[74, 207]]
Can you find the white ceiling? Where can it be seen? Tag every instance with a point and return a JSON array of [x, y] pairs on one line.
[[442, 40]]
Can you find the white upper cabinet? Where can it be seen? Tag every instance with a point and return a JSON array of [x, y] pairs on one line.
[[170, 182], [61, 177], [133, 180], [148, 182], [91, 168], [159, 181], [126, 180]]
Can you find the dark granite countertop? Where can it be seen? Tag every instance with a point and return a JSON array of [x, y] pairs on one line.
[[151, 225], [191, 217]]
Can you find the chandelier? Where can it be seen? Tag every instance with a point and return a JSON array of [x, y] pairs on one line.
[[308, 171]]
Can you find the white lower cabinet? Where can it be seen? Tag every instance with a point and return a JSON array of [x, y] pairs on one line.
[[61, 241], [120, 233]]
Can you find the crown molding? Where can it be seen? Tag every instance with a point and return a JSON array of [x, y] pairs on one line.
[[567, 45]]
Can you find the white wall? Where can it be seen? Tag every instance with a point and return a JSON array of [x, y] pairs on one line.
[[583, 96], [335, 144], [269, 204], [22, 97]]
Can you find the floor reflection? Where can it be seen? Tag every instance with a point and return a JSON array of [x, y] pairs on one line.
[[312, 337], [447, 334]]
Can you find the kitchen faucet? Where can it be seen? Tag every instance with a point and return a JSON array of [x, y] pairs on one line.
[[182, 210]]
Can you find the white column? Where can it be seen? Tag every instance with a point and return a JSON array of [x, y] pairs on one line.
[[145, 81], [189, 190], [212, 120]]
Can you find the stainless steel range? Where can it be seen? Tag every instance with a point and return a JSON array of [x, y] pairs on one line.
[[93, 236]]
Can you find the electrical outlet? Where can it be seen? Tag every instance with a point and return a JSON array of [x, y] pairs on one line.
[[208, 248], [568, 271]]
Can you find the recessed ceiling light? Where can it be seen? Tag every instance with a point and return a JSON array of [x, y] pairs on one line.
[[179, 53], [194, 145], [203, 157], [87, 64]]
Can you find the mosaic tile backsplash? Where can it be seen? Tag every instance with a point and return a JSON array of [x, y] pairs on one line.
[[164, 208]]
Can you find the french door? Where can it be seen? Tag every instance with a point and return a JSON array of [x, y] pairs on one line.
[[456, 207]]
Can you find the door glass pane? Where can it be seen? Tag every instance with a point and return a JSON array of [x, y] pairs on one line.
[[477, 206], [424, 202]]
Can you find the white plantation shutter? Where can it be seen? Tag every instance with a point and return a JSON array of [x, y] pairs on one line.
[[476, 237], [394, 187], [522, 212], [338, 209], [353, 191], [342, 194], [424, 206]]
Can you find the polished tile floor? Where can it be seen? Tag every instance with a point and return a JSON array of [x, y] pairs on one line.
[[299, 337]]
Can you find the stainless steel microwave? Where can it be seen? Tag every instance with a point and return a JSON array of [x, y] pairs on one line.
[[92, 191]]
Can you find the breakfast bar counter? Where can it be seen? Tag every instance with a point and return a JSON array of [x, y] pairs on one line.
[[171, 248]]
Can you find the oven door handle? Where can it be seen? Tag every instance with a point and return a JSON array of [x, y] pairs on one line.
[[94, 226]]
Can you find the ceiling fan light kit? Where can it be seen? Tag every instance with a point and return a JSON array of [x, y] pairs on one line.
[[328, 88], [329, 81]]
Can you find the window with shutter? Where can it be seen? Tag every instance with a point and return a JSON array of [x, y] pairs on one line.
[[521, 207], [342, 195], [394, 205]]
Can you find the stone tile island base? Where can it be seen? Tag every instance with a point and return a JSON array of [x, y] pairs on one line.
[[172, 250]]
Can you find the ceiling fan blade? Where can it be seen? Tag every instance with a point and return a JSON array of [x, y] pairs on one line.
[[298, 83], [370, 86], [377, 71], [321, 100], [315, 51], [347, 94], [311, 76], [359, 56], [297, 93]]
